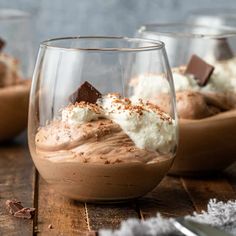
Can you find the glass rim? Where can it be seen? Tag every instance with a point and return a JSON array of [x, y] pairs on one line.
[[156, 44], [218, 12], [13, 14], [227, 31]]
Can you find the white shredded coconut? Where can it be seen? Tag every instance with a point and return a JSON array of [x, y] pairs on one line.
[[219, 214]]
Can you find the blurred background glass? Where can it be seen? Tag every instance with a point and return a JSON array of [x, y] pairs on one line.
[[58, 18], [15, 30], [197, 152], [213, 17], [183, 40]]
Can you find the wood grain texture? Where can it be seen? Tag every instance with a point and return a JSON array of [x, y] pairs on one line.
[[169, 198], [173, 197], [16, 182], [66, 216], [201, 190], [102, 216]]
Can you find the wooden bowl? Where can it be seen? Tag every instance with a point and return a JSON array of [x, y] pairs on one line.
[[207, 145], [14, 102]]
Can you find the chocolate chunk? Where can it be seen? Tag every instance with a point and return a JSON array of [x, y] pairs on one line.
[[201, 70], [86, 92], [2, 44], [13, 206], [222, 50], [25, 213], [16, 209]]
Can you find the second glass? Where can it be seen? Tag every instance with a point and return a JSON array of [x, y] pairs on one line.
[[203, 65], [87, 138]]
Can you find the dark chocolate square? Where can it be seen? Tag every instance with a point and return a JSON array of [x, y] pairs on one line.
[[201, 70], [86, 93]]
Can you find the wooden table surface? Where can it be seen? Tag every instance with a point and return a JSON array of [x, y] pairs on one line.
[[19, 180]]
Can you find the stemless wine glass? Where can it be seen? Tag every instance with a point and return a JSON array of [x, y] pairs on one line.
[[109, 149], [222, 17], [206, 140], [182, 40]]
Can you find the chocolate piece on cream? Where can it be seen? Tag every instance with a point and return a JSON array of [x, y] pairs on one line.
[[86, 92], [201, 70]]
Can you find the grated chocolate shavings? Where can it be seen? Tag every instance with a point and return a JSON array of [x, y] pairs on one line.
[[116, 161]]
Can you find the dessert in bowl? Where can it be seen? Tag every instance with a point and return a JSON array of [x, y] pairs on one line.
[[15, 69], [95, 144], [14, 97], [204, 75]]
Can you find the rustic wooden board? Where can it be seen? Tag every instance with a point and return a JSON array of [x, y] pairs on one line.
[[66, 216], [169, 198], [109, 216], [201, 190], [16, 182], [173, 197]]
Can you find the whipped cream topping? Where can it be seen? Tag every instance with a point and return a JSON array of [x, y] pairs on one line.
[[146, 125], [222, 80], [81, 113], [150, 86]]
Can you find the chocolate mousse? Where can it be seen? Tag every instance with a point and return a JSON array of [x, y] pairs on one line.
[[103, 150], [106, 143], [194, 105]]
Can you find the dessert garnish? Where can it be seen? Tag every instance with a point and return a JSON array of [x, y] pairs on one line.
[[131, 117], [16, 209], [2, 44], [86, 92], [201, 70], [222, 50]]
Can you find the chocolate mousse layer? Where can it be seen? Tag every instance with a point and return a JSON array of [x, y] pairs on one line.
[[195, 105], [96, 161], [101, 141], [104, 147]]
